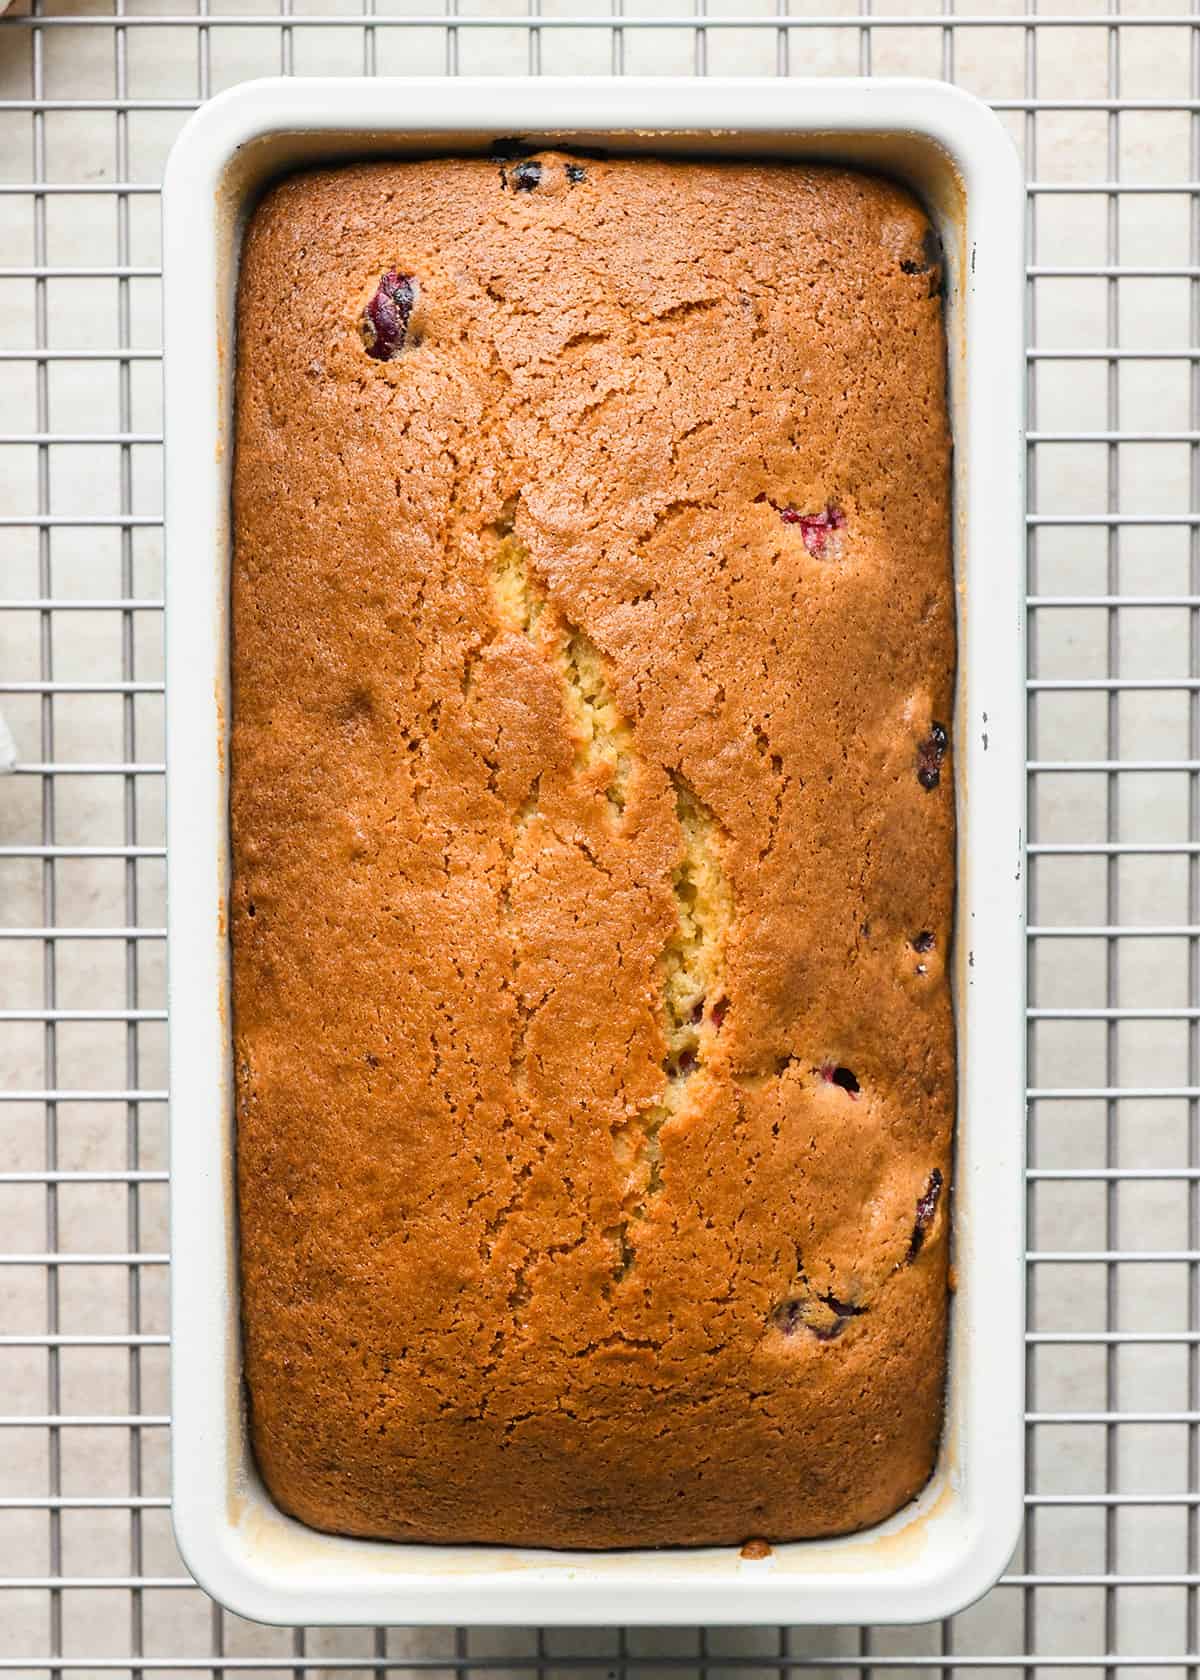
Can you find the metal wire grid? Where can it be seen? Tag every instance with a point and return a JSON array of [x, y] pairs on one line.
[[1106, 105]]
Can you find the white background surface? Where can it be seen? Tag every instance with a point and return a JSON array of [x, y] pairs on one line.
[[1109, 1567]]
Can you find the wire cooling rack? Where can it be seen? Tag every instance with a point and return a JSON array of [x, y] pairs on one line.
[[1105, 105]]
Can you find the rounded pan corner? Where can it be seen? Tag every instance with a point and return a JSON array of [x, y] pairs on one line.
[[205, 1542], [958, 110], [982, 1560], [215, 129], [224, 1565], [971, 135]]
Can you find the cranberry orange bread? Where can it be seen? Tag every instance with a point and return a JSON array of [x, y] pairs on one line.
[[593, 838]]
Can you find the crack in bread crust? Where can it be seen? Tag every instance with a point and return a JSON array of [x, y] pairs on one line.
[[692, 966], [692, 958], [604, 740], [606, 743]]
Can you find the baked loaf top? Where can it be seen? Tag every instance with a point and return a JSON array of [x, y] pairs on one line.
[[593, 844]]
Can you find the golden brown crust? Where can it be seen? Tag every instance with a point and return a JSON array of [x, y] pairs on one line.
[[580, 849]]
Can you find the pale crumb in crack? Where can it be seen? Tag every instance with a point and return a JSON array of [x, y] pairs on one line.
[[618, 1236], [693, 995], [693, 957], [519, 598], [626, 1144], [604, 736], [518, 601], [528, 807]]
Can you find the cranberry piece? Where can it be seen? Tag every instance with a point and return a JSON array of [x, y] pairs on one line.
[[576, 173], [684, 1062], [386, 317], [841, 1077], [526, 176], [842, 1308], [926, 1209], [815, 528], [697, 1014], [844, 1312], [719, 1011], [788, 1316], [930, 754], [923, 942]]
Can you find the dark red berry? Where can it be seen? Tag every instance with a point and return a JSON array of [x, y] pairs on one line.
[[525, 176], [719, 1010], [926, 1209], [685, 1061], [841, 1077], [923, 942], [930, 754], [576, 173], [815, 528], [791, 1316], [844, 1313], [386, 317], [788, 1316], [697, 1014], [843, 1309]]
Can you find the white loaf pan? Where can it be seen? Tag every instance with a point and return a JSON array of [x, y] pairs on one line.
[[949, 1546]]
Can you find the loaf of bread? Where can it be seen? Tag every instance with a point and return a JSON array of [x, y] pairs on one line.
[[593, 820]]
